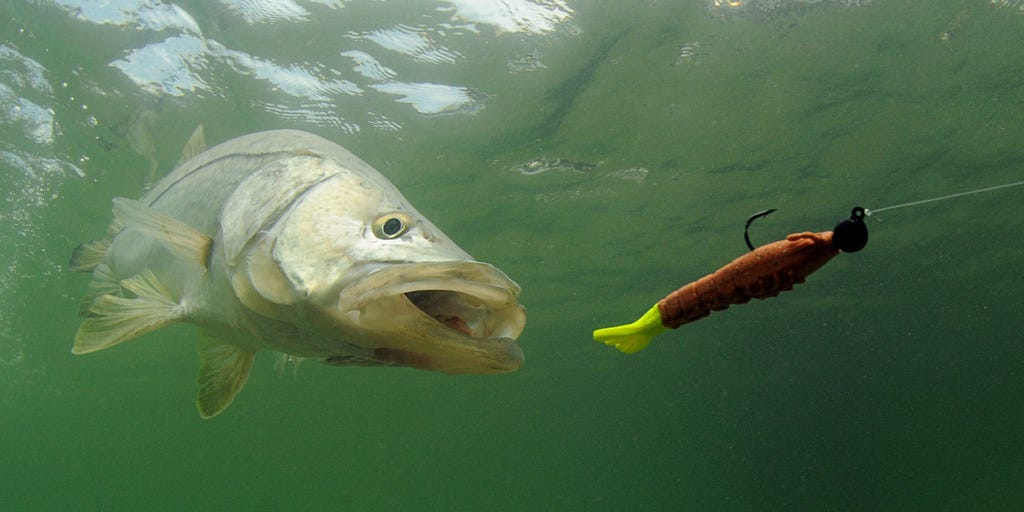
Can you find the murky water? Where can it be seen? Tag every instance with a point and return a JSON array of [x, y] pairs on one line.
[[602, 156]]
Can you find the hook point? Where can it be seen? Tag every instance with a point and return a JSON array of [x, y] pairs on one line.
[[746, 228]]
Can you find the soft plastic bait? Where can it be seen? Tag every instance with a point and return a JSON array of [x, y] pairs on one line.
[[761, 273]]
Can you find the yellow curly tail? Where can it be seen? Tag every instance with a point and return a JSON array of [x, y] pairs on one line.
[[634, 337]]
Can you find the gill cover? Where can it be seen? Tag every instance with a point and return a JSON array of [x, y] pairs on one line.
[[337, 222], [255, 207]]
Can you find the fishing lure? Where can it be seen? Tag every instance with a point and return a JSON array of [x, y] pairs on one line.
[[761, 273]]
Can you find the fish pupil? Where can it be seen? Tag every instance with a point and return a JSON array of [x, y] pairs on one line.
[[392, 227]]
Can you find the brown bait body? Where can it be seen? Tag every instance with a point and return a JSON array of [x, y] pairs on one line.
[[758, 274]]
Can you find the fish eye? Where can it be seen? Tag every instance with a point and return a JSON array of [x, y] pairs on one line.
[[392, 225]]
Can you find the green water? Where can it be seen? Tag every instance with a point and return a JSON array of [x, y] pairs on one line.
[[892, 380]]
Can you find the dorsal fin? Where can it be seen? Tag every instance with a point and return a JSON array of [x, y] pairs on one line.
[[115, 319], [179, 238], [223, 370], [196, 144]]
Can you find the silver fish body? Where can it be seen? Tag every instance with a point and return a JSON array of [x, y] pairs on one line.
[[285, 241]]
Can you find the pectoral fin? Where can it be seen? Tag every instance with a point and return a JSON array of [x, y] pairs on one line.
[[114, 319], [179, 238], [223, 370], [104, 282], [89, 255]]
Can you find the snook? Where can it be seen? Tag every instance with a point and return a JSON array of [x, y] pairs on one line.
[[285, 241]]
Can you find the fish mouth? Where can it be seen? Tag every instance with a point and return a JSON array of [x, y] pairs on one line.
[[455, 317]]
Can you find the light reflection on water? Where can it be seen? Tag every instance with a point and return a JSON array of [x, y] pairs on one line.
[[182, 59]]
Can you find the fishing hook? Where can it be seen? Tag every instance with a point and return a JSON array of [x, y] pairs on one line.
[[746, 228]]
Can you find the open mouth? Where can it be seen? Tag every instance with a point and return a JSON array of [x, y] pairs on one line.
[[451, 316], [436, 304], [457, 311], [471, 298]]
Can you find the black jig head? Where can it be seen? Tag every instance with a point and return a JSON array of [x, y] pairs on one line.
[[851, 235]]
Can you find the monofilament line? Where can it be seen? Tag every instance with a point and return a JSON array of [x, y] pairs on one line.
[[951, 196]]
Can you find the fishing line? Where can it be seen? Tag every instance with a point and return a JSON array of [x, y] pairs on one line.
[[942, 198]]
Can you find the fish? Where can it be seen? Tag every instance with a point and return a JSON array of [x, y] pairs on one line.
[[284, 241]]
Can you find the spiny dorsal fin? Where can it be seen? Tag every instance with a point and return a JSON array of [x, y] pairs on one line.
[[196, 144], [118, 319], [223, 370], [179, 238]]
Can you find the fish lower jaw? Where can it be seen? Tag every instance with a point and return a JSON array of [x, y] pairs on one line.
[[508, 359], [499, 356], [417, 332]]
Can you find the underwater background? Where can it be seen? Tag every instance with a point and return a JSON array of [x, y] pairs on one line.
[[602, 154]]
